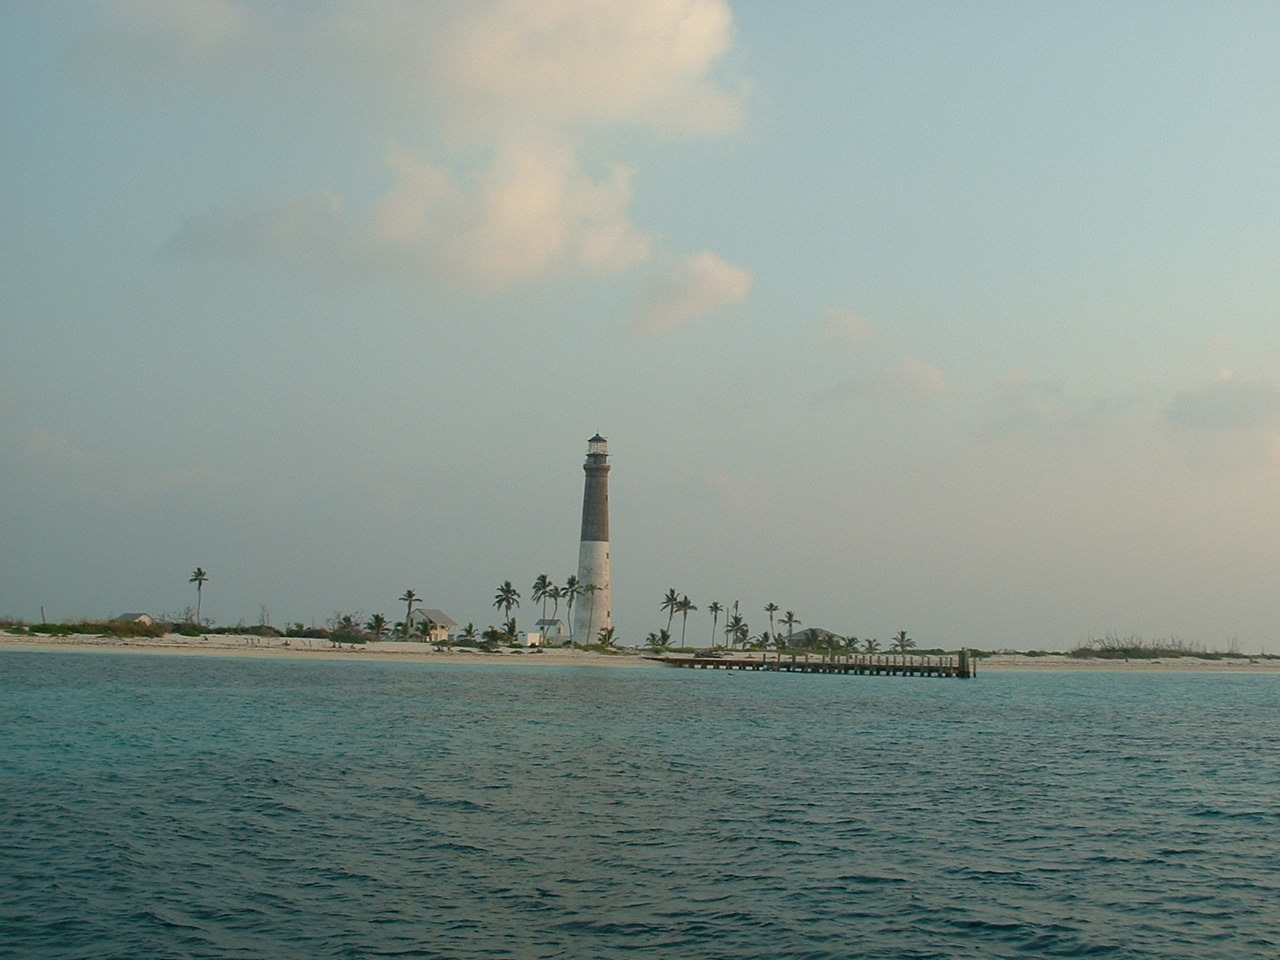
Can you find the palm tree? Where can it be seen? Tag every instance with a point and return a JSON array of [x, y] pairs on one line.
[[540, 592], [590, 590], [468, 634], [790, 621], [658, 641], [556, 594], [771, 608], [606, 637], [409, 597], [344, 628], [685, 607], [734, 629], [571, 591], [377, 626], [871, 644], [901, 642], [715, 610], [199, 578], [670, 603], [506, 597]]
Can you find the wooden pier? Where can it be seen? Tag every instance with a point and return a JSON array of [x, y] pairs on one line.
[[963, 665]]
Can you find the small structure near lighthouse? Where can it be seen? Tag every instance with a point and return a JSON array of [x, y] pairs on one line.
[[593, 610]]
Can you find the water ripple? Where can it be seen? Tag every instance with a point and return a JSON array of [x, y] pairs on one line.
[[224, 809]]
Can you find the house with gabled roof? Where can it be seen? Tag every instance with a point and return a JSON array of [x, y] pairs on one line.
[[434, 626], [143, 618]]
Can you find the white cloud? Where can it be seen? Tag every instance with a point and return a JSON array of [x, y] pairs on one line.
[[509, 92], [917, 378], [696, 287], [841, 326], [532, 213], [559, 64]]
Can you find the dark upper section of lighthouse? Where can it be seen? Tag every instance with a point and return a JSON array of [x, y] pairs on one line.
[[595, 493]]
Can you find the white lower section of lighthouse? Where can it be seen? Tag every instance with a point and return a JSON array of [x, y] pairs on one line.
[[593, 611]]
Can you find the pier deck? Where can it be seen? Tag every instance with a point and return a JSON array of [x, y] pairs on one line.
[[962, 666]]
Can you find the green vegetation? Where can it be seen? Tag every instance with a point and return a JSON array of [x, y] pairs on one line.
[[260, 630], [506, 598], [199, 578], [377, 626], [590, 590], [1114, 647], [98, 628], [409, 598], [571, 590], [541, 592], [901, 643], [715, 609]]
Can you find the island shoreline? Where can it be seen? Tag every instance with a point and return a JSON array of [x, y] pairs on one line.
[[262, 648]]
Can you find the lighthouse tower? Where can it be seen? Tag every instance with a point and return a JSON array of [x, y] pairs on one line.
[[593, 610]]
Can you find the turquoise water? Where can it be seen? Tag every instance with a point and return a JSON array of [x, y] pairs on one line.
[[222, 808]]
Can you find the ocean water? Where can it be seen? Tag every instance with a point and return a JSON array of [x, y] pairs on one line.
[[168, 807]]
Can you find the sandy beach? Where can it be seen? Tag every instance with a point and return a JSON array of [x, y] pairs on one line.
[[230, 645], [283, 648]]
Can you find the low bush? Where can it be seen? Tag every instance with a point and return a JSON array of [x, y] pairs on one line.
[[103, 628]]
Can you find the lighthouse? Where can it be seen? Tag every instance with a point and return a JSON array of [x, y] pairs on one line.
[[593, 610]]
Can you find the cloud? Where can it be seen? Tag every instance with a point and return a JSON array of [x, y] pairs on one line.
[[508, 92], [516, 65], [917, 378], [694, 288], [1228, 403], [841, 326], [489, 70], [532, 213]]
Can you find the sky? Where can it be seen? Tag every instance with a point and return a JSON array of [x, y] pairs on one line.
[[959, 319]]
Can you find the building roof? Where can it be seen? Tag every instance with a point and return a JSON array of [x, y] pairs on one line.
[[434, 616], [130, 617]]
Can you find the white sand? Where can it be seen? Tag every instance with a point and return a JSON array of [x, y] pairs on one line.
[[232, 645]]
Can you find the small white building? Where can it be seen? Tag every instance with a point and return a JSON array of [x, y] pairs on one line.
[[553, 631], [529, 638], [432, 625]]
